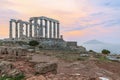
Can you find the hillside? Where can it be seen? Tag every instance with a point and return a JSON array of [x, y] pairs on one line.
[[97, 46]]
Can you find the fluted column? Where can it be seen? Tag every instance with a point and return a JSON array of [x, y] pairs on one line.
[[46, 29], [35, 27], [50, 29], [58, 31], [30, 29], [10, 30], [26, 30], [54, 30], [21, 29], [16, 30], [41, 28]]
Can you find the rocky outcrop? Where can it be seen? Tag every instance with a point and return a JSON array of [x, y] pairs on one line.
[[43, 68], [5, 67], [14, 53], [37, 78], [8, 69]]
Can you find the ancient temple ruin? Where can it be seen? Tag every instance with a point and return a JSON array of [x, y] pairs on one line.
[[43, 29], [35, 28]]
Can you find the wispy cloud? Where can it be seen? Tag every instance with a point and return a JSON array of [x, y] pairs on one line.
[[79, 18]]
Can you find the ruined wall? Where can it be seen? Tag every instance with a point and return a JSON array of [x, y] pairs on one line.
[[12, 52], [71, 43]]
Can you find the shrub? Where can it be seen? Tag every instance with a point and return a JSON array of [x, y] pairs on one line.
[[33, 43], [105, 52], [18, 77]]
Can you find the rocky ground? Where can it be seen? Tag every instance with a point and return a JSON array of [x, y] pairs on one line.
[[70, 67]]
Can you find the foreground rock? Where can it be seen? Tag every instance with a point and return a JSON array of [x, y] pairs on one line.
[[8, 69], [43, 68], [37, 78]]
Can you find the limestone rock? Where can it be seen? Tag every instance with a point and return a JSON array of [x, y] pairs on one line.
[[14, 72], [5, 67], [37, 78], [8, 69], [43, 68]]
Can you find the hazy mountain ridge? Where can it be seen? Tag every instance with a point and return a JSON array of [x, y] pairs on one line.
[[93, 42], [98, 46]]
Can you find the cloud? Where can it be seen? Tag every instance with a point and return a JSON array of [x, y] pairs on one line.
[[84, 19], [7, 14], [5, 3]]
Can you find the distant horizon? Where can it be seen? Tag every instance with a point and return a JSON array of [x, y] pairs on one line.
[[79, 43], [80, 20]]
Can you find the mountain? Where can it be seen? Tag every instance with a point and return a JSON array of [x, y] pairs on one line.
[[93, 42], [98, 46]]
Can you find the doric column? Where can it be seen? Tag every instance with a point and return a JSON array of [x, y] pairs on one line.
[[16, 30], [50, 29], [46, 29], [35, 27], [54, 30], [21, 29], [10, 30], [41, 28], [58, 31], [30, 29], [26, 30]]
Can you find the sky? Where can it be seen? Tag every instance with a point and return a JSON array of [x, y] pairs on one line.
[[80, 20]]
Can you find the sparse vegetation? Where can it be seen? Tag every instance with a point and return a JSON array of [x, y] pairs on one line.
[[103, 58], [91, 51], [0, 43], [71, 56], [105, 52], [40, 47], [18, 77], [33, 43]]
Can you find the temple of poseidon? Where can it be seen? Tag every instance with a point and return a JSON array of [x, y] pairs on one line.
[[43, 29], [36, 28]]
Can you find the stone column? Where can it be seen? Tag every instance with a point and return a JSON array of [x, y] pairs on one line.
[[26, 30], [50, 29], [21, 29], [41, 28], [46, 29], [35, 27], [30, 29], [10, 30], [54, 30], [16, 30], [58, 33]]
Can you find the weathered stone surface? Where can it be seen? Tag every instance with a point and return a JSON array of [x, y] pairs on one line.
[[13, 53], [43, 68], [14, 72], [8, 69], [37, 78], [5, 67]]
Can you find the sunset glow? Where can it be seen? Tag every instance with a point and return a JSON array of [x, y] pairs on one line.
[[80, 20]]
